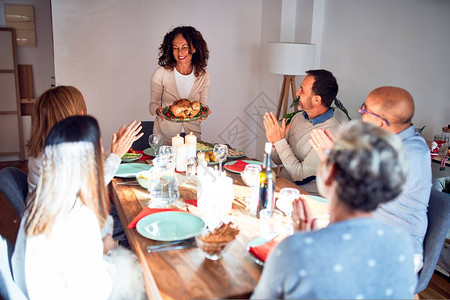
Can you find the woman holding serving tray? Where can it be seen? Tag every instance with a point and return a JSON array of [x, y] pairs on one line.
[[183, 57]]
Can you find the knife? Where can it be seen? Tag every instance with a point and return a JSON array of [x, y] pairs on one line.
[[174, 247], [170, 244]]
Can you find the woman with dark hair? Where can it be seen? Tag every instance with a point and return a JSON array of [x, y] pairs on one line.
[[65, 256], [356, 256], [183, 57]]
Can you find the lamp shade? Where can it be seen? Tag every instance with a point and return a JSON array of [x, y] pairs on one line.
[[290, 58]]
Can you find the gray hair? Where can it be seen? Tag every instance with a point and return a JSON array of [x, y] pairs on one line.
[[370, 165]]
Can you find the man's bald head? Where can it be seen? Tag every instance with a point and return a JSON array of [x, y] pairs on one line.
[[393, 103]]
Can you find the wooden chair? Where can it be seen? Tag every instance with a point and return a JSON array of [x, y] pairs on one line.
[[438, 226], [14, 185]]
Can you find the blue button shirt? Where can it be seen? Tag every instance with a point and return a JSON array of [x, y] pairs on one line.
[[320, 119], [409, 210]]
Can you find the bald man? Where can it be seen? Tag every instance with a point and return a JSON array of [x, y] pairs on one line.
[[392, 108]]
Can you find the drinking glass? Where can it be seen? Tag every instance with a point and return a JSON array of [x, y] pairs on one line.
[[155, 141], [166, 151], [286, 198], [284, 203], [191, 166], [162, 183], [250, 176], [220, 152], [270, 223]]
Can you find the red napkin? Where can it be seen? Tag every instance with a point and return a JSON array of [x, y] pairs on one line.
[[238, 166], [261, 252], [191, 202], [148, 211], [144, 156]]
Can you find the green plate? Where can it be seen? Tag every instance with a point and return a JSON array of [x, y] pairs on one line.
[[253, 243], [225, 166], [172, 118], [236, 156], [129, 157], [170, 226], [149, 152], [130, 170], [318, 198]]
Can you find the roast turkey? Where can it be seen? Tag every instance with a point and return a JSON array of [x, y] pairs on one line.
[[185, 108]]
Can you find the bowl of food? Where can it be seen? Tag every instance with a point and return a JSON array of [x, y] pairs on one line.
[[142, 178], [214, 243]]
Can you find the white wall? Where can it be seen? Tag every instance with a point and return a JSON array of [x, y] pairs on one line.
[[108, 49], [403, 43]]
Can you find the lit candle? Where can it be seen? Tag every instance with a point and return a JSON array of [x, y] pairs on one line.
[[177, 140], [181, 157], [191, 139]]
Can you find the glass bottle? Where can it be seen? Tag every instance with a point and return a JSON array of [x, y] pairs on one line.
[[266, 183]]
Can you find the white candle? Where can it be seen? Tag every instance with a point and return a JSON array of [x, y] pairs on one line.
[[191, 150], [177, 140], [191, 139], [181, 157]]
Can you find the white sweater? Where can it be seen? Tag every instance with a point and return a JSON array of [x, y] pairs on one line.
[[35, 165], [68, 263]]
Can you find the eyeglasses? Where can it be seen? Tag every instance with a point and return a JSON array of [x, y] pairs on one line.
[[362, 111]]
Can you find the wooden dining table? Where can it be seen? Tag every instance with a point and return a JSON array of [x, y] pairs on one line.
[[187, 274]]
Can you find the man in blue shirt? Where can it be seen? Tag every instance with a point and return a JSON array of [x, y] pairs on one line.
[[392, 108], [291, 148]]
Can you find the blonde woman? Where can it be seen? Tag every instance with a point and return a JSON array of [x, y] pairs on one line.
[[57, 104], [65, 257]]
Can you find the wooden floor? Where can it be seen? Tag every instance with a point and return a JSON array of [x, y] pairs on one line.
[[438, 288]]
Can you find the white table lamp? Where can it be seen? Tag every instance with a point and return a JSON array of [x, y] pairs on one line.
[[289, 59]]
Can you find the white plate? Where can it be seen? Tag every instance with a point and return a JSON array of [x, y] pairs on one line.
[[129, 170]]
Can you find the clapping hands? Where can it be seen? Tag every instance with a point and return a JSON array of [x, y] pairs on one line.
[[124, 138], [275, 131], [321, 141]]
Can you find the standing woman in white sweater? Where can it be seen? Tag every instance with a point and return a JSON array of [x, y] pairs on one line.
[[65, 257]]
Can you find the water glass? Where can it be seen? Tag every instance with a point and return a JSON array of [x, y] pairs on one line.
[[250, 176], [191, 166], [220, 152], [284, 203], [286, 198], [166, 151], [270, 223], [155, 142], [162, 183]]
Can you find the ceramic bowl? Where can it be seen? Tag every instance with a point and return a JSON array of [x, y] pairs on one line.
[[142, 178]]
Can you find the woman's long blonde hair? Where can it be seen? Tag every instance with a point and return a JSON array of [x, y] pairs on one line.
[[72, 169], [53, 106]]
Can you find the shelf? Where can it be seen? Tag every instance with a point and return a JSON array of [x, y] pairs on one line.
[[27, 106]]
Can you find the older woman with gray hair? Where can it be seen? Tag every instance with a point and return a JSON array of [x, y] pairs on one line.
[[355, 256]]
